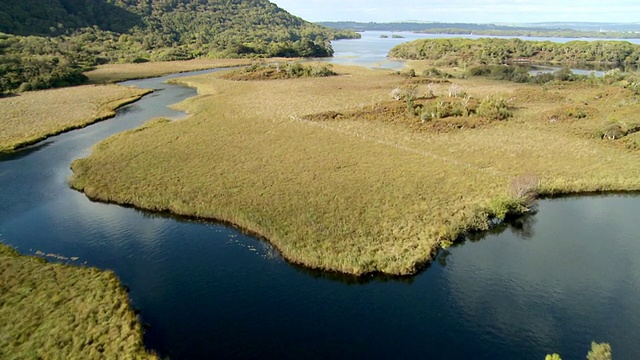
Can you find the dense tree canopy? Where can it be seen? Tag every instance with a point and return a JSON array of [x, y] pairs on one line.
[[61, 38], [503, 51]]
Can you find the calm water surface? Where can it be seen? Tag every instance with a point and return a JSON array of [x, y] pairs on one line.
[[551, 283], [371, 50]]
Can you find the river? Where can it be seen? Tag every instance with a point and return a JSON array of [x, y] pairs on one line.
[[552, 282]]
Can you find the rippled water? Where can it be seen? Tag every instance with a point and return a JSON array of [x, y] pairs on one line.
[[551, 283]]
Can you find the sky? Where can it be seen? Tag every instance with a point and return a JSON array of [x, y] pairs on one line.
[[466, 11]]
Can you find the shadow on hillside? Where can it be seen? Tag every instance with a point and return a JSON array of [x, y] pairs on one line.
[[32, 17]]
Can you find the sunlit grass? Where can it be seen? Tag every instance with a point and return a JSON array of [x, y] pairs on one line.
[[111, 73], [33, 116], [351, 194], [55, 311]]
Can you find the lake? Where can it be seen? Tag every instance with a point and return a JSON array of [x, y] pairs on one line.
[[371, 50], [552, 282]]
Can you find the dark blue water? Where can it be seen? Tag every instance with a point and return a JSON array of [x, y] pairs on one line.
[[552, 283]]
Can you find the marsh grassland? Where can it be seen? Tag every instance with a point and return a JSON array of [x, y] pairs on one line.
[[111, 73], [342, 177], [33, 116], [55, 311]]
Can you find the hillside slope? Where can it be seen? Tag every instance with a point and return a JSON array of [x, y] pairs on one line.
[[67, 36]]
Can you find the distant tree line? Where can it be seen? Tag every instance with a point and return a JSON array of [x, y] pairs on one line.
[[534, 32], [49, 43], [566, 30], [490, 51]]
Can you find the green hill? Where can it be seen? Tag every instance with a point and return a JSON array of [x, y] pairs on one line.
[[54, 40]]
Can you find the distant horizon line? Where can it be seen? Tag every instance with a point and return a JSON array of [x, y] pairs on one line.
[[477, 23]]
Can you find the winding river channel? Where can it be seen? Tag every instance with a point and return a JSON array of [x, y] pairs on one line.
[[552, 282]]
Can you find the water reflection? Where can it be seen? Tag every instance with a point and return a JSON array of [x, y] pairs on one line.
[[211, 291], [25, 151]]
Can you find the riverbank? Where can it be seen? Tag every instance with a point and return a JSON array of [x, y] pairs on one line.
[[36, 115], [357, 195], [112, 73], [57, 311]]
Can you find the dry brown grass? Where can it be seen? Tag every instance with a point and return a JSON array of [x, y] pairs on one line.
[[34, 116], [54, 311], [111, 73], [352, 195]]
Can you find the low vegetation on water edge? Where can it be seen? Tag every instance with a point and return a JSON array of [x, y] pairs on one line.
[[340, 175], [111, 73], [496, 51], [34, 116], [287, 70], [599, 351], [56, 311]]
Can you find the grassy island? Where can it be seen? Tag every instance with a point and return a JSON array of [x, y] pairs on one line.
[[33, 116], [369, 171], [55, 311]]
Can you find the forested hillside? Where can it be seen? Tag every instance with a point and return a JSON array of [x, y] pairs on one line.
[[460, 51], [52, 41]]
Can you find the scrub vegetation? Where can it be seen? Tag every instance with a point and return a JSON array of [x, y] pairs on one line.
[[288, 70], [492, 51], [341, 173], [34, 116], [599, 351], [46, 44], [55, 311]]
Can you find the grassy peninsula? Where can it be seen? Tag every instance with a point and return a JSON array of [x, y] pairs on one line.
[[33, 116], [55, 311], [326, 170]]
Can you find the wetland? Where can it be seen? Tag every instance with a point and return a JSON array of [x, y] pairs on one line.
[[552, 281]]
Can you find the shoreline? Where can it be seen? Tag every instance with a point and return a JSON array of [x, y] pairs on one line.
[[108, 112], [476, 220], [62, 310], [358, 277]]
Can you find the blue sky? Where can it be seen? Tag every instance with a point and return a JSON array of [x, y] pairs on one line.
[[469, 11]]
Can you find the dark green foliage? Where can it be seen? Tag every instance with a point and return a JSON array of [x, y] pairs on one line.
[[494, 108], [289, 70], [520, 74], [34, 73], [434, 72], [492, 51], [84, 33]]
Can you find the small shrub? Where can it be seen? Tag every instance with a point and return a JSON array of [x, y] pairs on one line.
[[525, 188], [434, 72], [455, 90], [396, 94], [407, 93], [494, 108], [599, 351]]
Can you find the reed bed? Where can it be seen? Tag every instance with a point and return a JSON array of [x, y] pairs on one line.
[[34, 116], [111, 73], [357, 196], [55, 311]]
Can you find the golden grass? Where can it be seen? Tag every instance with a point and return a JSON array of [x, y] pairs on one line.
[[33, 116], [354, 196], [111, 73], [55, 311]]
